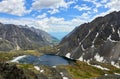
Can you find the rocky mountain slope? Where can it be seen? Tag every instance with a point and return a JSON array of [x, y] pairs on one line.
[[14, 37], [98, 41], [46, 37]]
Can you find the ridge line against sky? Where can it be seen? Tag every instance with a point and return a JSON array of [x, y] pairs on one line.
[[54, 15]]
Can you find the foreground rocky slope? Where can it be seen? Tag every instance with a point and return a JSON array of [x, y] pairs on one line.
[[98, 40], [11, 71], [14, 37], [79, 70]]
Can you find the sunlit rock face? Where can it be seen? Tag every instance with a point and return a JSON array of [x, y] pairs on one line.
[[98, 40]]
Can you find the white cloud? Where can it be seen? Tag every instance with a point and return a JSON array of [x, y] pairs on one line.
[[53, 11], [52, 24], [95, 10], [42, 4], [113, 5], [15, 7], [85, 16], [102, 14], [51, 4], [82, 7], [42, 16], [104, 1], [97, 4]]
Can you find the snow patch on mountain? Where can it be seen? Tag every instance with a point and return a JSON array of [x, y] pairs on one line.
[[116, 73], [63, 75], [82, 48], [18, 58], [115, 64], [68, 55], [38, 69], [112, 28], [118, 32], [81, 58], [85, 37], [109, 38], [100, 67], [94, 40], [98, 58]]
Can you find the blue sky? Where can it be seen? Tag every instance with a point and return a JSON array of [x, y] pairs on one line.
[[54, 16]]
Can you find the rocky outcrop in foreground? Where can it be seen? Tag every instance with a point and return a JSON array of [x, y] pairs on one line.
[[8, 71]]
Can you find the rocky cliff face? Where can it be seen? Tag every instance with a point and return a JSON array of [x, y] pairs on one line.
[[98, 40], [13, 37]]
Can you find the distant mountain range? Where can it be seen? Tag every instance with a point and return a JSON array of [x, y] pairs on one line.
[[15, 37], [98, 41]]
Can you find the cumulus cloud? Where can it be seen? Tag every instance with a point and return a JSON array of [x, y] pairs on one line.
[[52, 24], [97, 4], [53, 11], [113, 5], [51, 4], [15, 7], [42, 4], [82, 7], [85, 16], [42, 16], [104, 1], [102, 14]]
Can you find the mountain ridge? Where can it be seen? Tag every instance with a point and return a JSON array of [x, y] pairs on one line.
[[15, 37], [98, 40]]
